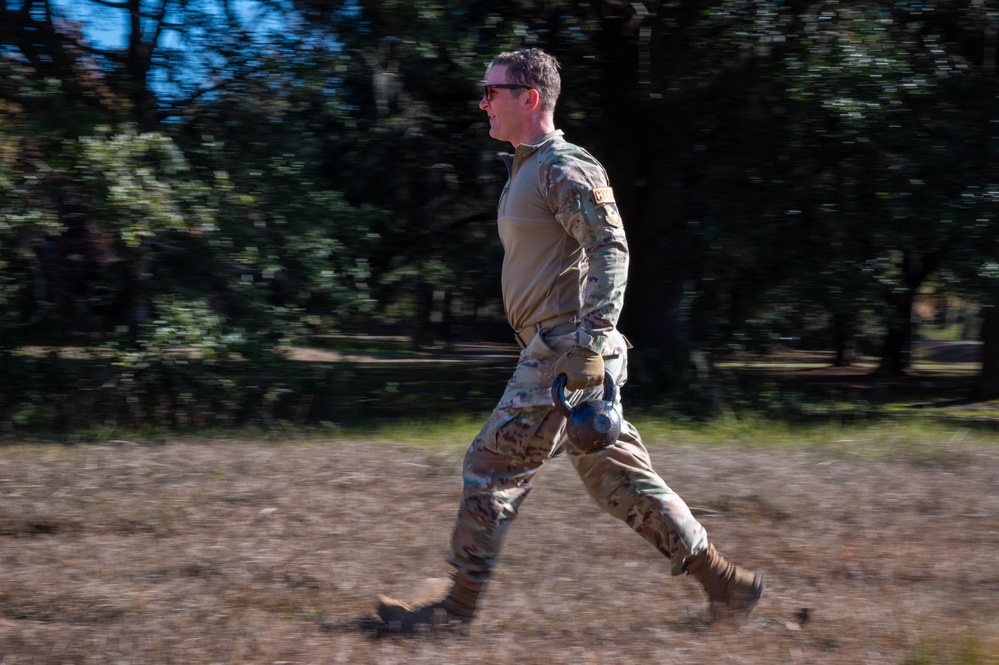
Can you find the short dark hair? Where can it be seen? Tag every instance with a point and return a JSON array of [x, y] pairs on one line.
[[533, 67]]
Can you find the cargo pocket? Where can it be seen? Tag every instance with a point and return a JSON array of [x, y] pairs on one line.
[[530, 384]]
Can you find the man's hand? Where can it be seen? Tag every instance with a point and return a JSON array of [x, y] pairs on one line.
[[582, 368]]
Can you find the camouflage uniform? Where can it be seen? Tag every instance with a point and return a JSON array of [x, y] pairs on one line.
[[564, 275]]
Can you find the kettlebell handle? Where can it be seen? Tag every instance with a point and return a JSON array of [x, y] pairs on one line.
[[558, 392]]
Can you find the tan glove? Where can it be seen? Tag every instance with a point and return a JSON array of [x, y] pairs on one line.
[[582, 368]]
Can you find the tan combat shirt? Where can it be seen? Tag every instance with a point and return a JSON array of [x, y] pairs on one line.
[[565, 251]]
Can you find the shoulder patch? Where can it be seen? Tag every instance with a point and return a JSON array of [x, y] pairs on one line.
[[603, 195]]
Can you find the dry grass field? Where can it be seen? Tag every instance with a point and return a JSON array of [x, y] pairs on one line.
[[219, 551]]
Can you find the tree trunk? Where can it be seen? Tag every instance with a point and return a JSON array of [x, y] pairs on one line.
[[988, 380], [896, 356], [896, 353], [649, 190], [138, 62], [843, 335]]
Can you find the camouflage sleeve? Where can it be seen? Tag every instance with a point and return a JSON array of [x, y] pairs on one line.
[[583, 202]]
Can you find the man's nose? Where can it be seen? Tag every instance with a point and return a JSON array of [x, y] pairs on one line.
[[483, 103]]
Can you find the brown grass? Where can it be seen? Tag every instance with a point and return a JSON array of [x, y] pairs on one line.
[[252, 552]]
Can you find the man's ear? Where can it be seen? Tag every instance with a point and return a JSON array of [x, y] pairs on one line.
[[533, 99]]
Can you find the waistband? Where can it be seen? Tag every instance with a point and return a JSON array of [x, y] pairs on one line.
[[524, 336]]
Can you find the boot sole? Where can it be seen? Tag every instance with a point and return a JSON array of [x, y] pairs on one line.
[[741, 611], [397, 618]]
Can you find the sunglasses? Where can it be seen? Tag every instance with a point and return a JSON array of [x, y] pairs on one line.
[[489, 90]]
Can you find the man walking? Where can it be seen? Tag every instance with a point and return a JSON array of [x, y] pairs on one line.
[[564, 274]]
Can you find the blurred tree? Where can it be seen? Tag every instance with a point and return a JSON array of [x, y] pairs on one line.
[[234, 173], [167, 54], [779, 164], [158, 252], [825, 154], [406, 134]]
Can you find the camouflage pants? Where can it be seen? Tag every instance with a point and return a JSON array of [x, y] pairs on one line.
[[524, 431]]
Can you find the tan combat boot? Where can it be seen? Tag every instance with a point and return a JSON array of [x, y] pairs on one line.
[[453, 614], [732, 591]]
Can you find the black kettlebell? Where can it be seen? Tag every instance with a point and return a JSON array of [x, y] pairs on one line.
[[593, 424]]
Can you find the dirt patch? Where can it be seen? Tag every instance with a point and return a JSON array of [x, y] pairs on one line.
[[248, 552]]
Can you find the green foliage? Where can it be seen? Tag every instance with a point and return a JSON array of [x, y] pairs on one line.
[[189, 206], [186, 284], [828, 167], [138, 183]]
